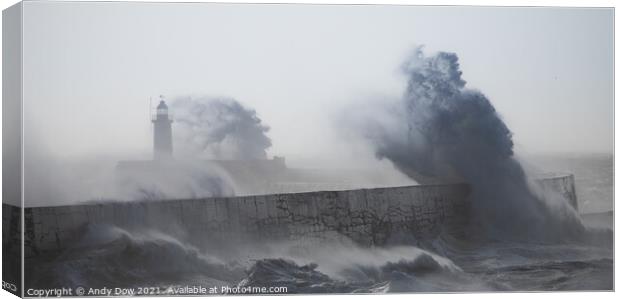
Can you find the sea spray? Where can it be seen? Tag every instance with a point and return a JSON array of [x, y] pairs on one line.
[[218, 128], [169, 179], [205, 128], [109, 255], [132, 257], [443, 130]]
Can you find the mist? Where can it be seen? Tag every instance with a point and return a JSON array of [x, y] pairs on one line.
[[205, 129], [82, 107]]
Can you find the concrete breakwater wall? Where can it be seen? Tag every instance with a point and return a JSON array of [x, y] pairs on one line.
[[367, 216], [370, 217]]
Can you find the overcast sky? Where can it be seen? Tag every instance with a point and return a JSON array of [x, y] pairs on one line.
[[90, 68]]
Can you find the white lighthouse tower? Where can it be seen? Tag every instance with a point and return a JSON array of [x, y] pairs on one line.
[[162, 133]]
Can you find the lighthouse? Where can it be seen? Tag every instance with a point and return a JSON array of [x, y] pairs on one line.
[[162, 133]]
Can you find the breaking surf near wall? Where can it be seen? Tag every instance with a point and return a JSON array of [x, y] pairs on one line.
[[443, 130]]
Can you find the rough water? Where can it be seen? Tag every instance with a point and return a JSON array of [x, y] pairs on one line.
[[131, 261], [517, 240], [115, 258]]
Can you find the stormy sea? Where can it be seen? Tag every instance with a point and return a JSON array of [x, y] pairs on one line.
[[122, 259], [517, 239]]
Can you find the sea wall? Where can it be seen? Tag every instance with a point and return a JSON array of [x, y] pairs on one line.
[[369, 217], [562, 185]]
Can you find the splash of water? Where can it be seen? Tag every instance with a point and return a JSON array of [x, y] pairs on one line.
[[442, 129], [218, 128], [127, 257]]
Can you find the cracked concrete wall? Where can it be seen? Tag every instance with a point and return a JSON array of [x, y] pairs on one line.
[[369, 217]]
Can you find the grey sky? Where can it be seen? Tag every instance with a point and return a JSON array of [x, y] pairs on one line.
[[90, 68]]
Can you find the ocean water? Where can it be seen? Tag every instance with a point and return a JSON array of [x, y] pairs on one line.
[[117, 258]]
